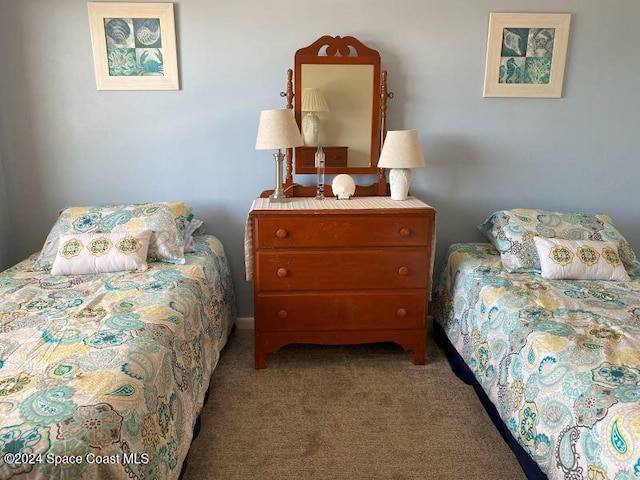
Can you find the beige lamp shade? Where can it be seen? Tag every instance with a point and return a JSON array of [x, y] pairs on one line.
[[401, 149], [277, 129], [313, 100]]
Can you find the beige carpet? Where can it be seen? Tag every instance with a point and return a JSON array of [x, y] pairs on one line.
[[356, 412]]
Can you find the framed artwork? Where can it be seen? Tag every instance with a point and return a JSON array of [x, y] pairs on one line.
[[526, 53], [134, 46]]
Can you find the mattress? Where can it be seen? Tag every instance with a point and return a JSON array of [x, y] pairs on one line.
[[560, 360], [104, 376]]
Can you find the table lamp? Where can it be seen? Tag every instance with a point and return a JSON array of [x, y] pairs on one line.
[[401, 152], [277, 130], [312, 101]]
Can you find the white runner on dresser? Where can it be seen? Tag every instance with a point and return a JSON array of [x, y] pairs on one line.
[[356, 203]]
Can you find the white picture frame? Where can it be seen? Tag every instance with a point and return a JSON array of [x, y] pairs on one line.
[[526, 54], [134, 46]]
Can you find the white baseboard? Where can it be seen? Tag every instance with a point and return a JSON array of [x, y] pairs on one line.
[[244, 323]]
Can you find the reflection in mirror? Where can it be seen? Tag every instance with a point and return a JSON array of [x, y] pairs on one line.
[[347, 90], [313, 101]]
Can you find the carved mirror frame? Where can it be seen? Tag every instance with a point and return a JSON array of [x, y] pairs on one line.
[[328, 50]]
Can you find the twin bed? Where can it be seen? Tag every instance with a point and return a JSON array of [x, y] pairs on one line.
[[104, 374], [556, 359]]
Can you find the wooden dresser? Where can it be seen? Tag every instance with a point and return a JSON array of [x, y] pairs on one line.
[[340, 272]]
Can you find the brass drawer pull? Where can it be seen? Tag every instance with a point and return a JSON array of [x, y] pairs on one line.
[[282, 314], [401, 312], [282, 272], [403, 271], [405, 232], [281, 233]]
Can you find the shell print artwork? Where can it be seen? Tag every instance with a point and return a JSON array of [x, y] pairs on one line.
[[343, 186], [134, 47], [131, 41], [147, 32], [513, 41], [118, 32]]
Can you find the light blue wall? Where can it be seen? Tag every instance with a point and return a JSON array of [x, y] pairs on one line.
[[5, 61], [63, 142]]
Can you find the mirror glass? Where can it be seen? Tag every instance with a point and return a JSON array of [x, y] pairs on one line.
[[347, 90], [346, 74]]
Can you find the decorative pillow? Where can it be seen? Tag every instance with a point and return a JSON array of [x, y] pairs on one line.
[[580, 260], [512, 233], [82, 253], [166, 220]]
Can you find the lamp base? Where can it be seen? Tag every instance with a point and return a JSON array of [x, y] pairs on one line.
[[399, 180], [278, 194], [310, 126], [278, 197]]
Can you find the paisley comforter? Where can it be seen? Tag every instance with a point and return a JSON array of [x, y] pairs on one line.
[[104, 376], [559, 359]]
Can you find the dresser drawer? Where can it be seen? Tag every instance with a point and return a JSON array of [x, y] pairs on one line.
[[373, 268], [341, 311], [335, 230]]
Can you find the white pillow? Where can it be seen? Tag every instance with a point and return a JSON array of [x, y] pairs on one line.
[[580, 260], [82, 253]]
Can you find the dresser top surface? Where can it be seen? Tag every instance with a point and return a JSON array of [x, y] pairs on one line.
[[356, 203]]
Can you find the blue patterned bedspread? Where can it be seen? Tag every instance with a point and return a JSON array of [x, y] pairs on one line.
[[559, 359], [104, 376]]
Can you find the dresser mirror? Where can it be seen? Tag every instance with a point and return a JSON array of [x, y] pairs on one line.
[[350, 112]]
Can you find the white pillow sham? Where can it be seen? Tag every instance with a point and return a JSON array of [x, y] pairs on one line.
[[580, 260], [83, 253]]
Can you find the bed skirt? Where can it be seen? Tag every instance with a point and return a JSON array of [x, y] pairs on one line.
[[462, 371]]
